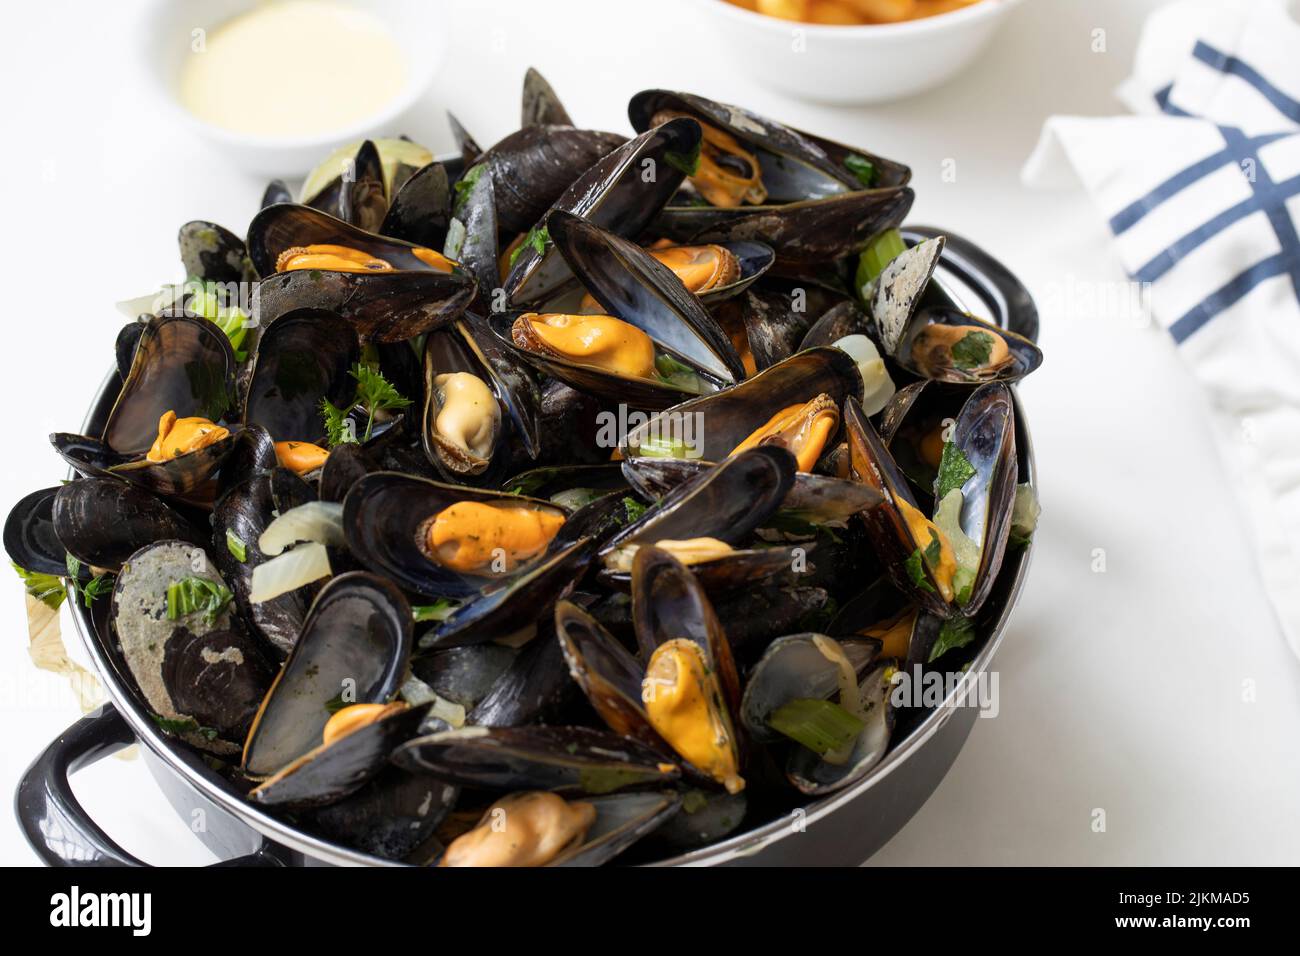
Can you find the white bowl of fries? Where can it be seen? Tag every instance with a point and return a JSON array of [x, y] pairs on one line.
[[855, 51]]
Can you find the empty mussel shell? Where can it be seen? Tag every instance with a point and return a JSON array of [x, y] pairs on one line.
[[813, 776], [30, 538], [212, 253]]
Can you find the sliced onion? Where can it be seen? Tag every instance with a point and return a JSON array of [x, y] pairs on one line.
[[304, 564], [877, 386], [318, 521], [416, 692]]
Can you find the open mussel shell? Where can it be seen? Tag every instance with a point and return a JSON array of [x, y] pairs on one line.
[[795, 165], [634, 286], [303, 357], [880, 612], [181, 364], [384, 306], [613, 195], [532, 169], [949, 345], [914, 425], [346, 465], [354, 647], [510, 610], [179, 477], [468, 346], [817, 499], [464, 675], [242, 514], [890, 532], [793, 667], [330, 772], [169, 657], [812, 775], [356, 193], [726, 502], [568, 485], [102, 522], [606, 671], [212, 253], [985, 434], [621, 820], [30, 538], [385, 519], [805, 236], [669, 603], [710, 427], [753, 260], [566, 760]]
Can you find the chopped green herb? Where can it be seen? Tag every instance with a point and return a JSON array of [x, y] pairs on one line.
[[46, 588], [660, 446], [193, 595], [440, 610], [820, 725], [972, 350], [376, 394], [957, 631], [880, 251], [466, 184], [634, 509], [933, 551], [955, 470], [93, 589], [538, 239], [862, 168], [235, 545], [184, 726], [688, 164], [915, 567], [338, 429]]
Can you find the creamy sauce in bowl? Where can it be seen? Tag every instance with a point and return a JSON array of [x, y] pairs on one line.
[[292, 69]]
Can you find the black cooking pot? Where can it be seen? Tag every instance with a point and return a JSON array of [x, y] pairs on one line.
[[842, 829]]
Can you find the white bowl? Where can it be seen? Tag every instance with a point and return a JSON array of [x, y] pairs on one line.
[[847, 64], [418, 27]]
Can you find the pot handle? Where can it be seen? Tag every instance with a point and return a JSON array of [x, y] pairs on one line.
[[1006, 297], [54, 823]]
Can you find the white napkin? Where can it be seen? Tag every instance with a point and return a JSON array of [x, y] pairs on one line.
[[1202, 192]]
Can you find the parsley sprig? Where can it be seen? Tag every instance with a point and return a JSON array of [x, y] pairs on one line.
[[374, 394]]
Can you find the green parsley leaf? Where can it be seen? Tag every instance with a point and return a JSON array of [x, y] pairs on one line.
[[915, 567], [862, 168], [440, 610], [634, 509], [538, 239], [46, 588], [955, 470], [337, 431], [957, 631], [972, 350]]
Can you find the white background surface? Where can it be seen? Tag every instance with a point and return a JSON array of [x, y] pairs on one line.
[[1120, 690]]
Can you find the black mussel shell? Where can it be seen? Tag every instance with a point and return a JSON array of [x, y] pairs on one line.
[[30, 537], [243, 513], [276, 191], [218, 678], [345, 466], [804, 235], [613, 195], [621, 820], [514, 607], [354, 646], [812, 775], [332, 771], [840, 320], [533, 167], [566, 760], [393, 817], [464, 675], [252, 454], [102, 522], [212, 253], [719, 422], [535, 688], [303, 357], [181, 364], [475, 244], [541, 107], [357, 195], [941, 362], [568, 485], [796, 165], [384, 515], [421, 208], [900, 288]]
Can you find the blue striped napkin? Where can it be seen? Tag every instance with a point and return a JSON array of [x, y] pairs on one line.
[[1201, 189]]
